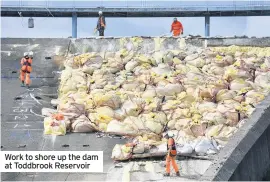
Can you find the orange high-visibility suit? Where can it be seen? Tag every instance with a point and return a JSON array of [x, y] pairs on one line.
[[26, 69], [177, 28], [171, 157]]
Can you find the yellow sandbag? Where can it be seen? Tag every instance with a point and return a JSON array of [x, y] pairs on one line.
[[136, 41], [154, 127], [113, 101], [158, 117], [214, 118], [225, 95], [126, 149], [198, 62], [103, 127], [213, 131], [102, 115], [54, 127], [253, 97]]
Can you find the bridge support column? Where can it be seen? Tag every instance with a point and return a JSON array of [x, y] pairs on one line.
[[207, 26], [74, 25]]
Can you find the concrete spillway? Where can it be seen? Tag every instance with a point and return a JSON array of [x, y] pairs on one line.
[[245, 157]]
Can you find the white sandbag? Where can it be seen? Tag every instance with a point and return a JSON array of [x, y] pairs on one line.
[[154, 127], [214, 117], [139, 148], [162, 148], [191, 57], [198, 62], [131, 65], [161, 69], [82, 124], [54, 102], [203, 146], [47, 111], [185, 149], [120, 128], [116, 153], [158, 56], [238, 84], [133, 107], [169, 90]]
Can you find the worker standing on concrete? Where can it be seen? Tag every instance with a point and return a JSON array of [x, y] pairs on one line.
[[101, 24], [26, 69], [177, 27], [171, 155]]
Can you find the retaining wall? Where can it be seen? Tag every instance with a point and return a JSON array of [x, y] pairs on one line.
[[246, 157]]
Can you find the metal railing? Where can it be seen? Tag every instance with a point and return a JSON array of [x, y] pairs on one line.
[[135, 4]]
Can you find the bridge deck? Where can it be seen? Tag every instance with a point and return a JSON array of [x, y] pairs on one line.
[[191, 11]]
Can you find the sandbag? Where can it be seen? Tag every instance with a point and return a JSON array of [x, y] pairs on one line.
[[198, 62], [185, 149], [110, 100], [54, 127], [54, 102], [138, 149], [238, 84], [215, 117], [195, 92], [120, 152], [82, 124], [161, 69], [133, 107], [47, 111], [203, 146], [169, 90]]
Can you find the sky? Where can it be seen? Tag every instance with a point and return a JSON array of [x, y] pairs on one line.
[[61, 27]]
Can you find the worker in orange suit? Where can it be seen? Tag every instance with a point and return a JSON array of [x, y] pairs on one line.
[[171, 155], [177, 27], [26, 69]]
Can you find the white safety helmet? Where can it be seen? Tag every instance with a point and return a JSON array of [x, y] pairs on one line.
[[100, 12], [168, 134], [30, 53], [26, 54]]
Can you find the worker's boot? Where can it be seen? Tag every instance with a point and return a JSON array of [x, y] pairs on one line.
[[27, 86], [178, 173], [166, 174], [22, 84]]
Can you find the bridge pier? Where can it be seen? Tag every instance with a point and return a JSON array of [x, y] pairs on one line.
[[207, 26], [74, 25]]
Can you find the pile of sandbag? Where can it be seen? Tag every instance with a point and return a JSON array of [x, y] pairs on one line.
[[202, 94]]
